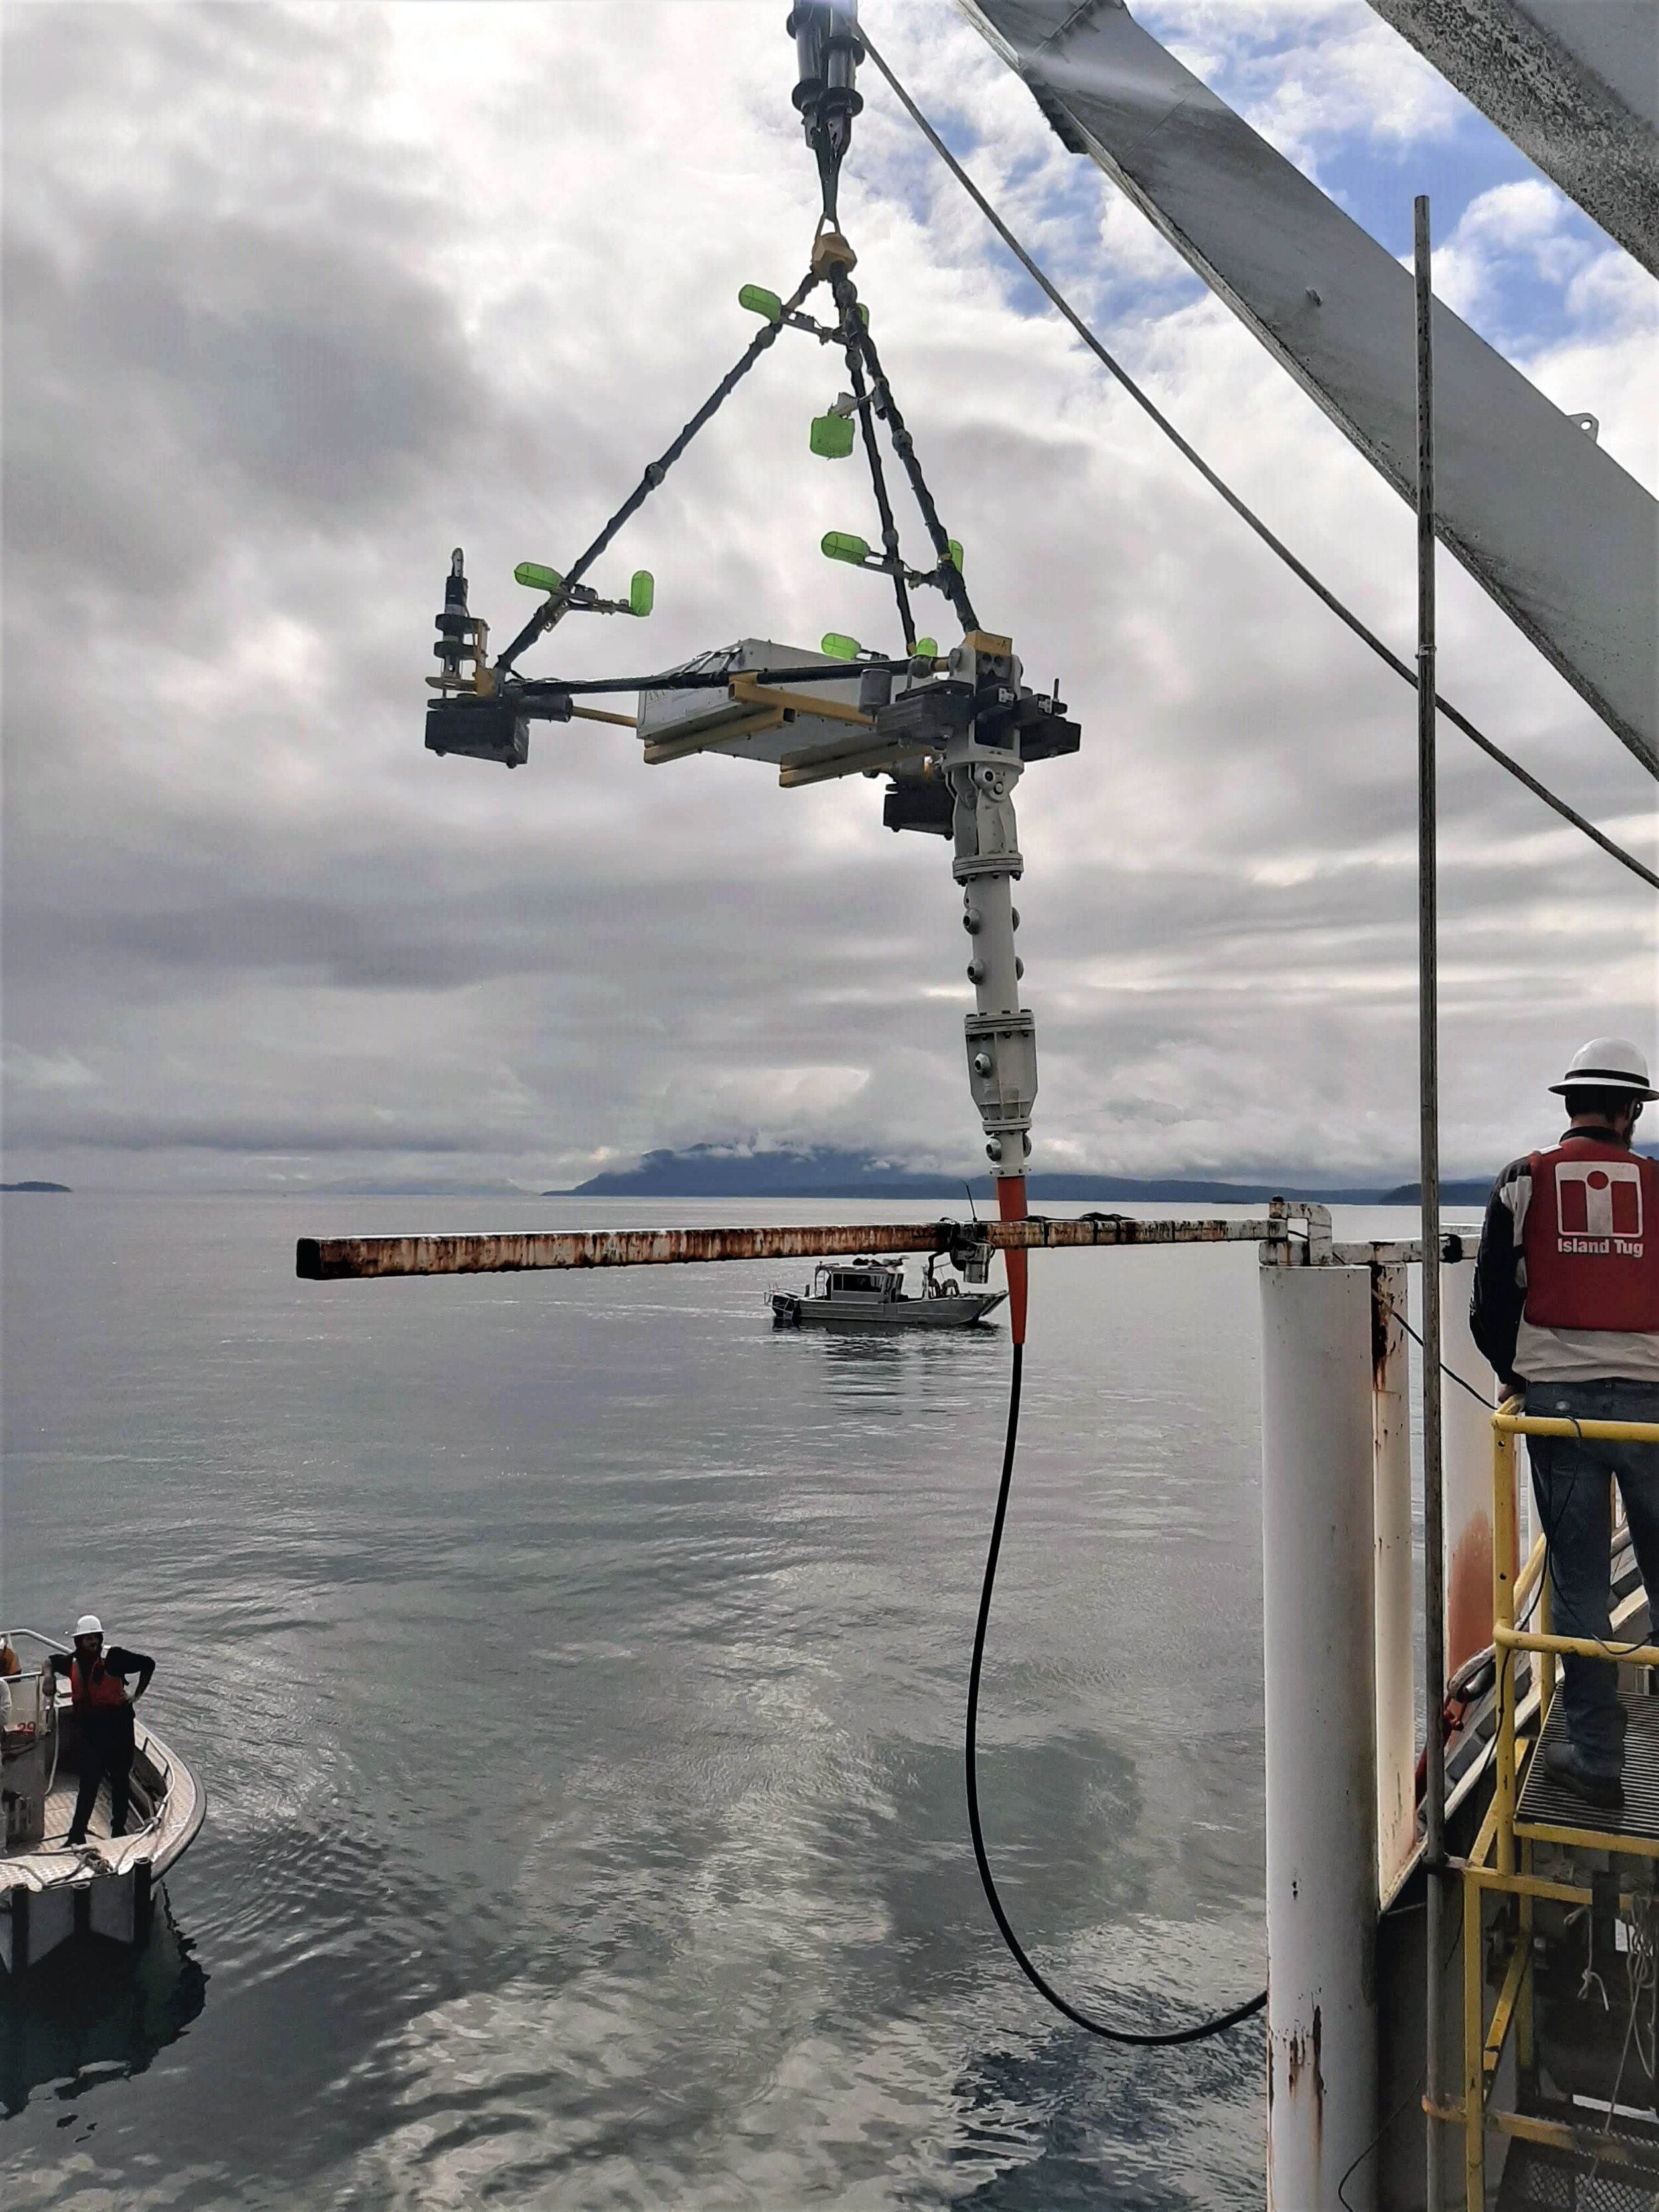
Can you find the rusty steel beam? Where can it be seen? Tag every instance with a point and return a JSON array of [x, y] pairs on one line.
[[328, 1259]]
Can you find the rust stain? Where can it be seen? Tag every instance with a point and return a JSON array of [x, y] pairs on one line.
[[1382, 1327], [1318, 2084], [1469, 1594]]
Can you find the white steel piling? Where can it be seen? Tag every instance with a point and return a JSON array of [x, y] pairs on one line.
[[1318, 1568]]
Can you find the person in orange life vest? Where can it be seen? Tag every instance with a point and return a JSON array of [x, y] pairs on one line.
[[1567, 1309], [103, 1713]]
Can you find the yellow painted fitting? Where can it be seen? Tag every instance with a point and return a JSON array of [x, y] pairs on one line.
[[830, 251]]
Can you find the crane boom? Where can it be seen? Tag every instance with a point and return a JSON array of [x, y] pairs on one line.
[[1558, 533]]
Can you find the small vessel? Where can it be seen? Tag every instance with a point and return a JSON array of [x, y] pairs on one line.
[[105, 1887], [869, 1293]]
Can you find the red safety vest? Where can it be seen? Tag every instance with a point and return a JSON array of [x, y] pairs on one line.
[[100, 1690], [1591, 1238]]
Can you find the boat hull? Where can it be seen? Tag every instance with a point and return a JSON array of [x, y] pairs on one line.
[[49, 1893], [965, 1311]]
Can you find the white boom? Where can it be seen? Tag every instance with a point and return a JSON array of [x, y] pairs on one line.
[[1563, 540], [1574, 87]]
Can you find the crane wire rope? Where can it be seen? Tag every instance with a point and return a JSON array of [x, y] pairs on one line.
[[1138, 2038], [1246, 513]]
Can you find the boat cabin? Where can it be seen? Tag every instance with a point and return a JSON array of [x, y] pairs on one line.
[[862, 1279]]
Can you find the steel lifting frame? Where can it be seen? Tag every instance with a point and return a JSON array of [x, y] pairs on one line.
[[1501, 1859]]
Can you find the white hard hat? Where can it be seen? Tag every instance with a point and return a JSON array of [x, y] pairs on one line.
[[1608, 1064], [88, 1625]]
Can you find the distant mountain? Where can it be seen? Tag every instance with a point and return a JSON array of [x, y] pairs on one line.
[[706, 1171], [1451, 1193], [33, 1186], [422, 1186]]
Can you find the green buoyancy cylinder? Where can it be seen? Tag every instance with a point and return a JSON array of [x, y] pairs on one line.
[[843, 545], [759, 301], [538, 578], [832, 436], [837, 647], [956, 553], [641, 593]]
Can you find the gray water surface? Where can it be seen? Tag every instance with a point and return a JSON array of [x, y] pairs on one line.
[[576, 1667]]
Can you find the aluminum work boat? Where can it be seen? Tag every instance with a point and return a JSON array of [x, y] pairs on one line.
[[871, 1294], [105, 1887]]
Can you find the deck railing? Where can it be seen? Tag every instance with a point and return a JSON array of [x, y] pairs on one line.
[[1501, 1859]]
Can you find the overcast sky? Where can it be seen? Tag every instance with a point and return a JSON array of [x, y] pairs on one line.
[[297, 298]]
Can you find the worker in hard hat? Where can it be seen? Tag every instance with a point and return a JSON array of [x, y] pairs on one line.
[[102, 1705], [1567, 1309]]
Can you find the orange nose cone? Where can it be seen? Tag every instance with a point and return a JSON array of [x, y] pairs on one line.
[[1011, 1206]]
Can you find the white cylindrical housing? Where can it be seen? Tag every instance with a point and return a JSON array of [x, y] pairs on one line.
[[1319, 1613], [1466, 1454], [1391, 1509]]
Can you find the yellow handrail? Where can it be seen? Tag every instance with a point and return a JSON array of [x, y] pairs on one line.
[[1483, 2045], [1583, 1647], [1553, 1424], [1525, 1582]]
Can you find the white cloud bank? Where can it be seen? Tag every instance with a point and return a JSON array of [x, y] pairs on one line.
[[297, 298]]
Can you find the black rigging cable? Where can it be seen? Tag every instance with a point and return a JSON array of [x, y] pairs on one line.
[[947, 575], [1140, 2038], [1246, 513], [548, 614], [847, 304]]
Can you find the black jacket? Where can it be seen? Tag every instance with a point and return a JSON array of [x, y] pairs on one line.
[[115, 1660]]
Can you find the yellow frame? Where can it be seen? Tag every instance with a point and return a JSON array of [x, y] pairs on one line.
[[1492, 1864]]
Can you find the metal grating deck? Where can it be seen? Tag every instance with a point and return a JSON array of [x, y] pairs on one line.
[[1547, 1806], [1540, 2178]]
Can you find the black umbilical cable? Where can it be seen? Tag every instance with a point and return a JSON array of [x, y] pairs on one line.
[[1246, 513], [1142, 2038]]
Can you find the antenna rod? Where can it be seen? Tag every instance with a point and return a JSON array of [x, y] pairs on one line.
[[1428, 1021]]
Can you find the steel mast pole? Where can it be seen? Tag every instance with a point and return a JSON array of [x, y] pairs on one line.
[[1434, 1596]]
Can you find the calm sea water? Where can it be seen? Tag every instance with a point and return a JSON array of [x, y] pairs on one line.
[[576, 1667]]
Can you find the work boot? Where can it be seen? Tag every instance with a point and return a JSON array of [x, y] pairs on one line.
[[1564, 1764]]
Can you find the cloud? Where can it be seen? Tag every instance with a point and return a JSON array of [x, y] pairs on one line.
[[294, 303], [1310, 75]]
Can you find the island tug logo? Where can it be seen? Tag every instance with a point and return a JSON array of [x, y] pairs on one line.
[[1598, 1208]]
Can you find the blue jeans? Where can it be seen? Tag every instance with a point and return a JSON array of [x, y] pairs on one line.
[[1569, 1481]]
